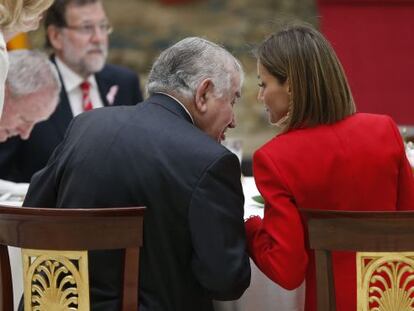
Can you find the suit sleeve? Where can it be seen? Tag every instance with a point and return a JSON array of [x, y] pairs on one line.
[[405, 176], [276, 243], [43, 185], [220, 260], [43, 190]]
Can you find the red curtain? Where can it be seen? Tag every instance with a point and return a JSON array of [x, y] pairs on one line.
[[375, 42]]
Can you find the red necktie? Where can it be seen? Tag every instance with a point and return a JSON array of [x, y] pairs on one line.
[[86, 99]]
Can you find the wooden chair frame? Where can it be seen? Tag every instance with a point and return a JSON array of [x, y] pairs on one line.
[[353, 231], [72, 229]]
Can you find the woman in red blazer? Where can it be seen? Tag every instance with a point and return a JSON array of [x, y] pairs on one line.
[[325, 157]]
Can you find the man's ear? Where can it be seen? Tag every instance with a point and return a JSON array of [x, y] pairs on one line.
[[203, 92], [55, 37]]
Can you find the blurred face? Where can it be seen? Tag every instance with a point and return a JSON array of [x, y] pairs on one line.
[[22, 113], [275, 96], [216, 113], [83, 44]]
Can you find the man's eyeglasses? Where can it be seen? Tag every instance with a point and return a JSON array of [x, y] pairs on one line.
[[90, 29]]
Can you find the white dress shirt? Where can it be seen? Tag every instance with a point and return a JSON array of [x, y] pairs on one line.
[[4, 68], [72, 82]]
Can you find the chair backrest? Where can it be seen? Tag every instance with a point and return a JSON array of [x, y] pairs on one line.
[[68, 234], [384, 246]]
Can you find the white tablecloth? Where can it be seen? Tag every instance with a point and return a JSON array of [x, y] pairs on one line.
[[262, 295]]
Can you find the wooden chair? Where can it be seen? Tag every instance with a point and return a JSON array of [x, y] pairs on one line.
[[55, 244], [384, 246]]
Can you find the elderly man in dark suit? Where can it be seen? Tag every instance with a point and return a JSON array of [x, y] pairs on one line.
[[164, 154], [77, 32]]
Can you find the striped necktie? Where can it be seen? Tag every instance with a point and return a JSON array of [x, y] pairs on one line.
[[86, 99]]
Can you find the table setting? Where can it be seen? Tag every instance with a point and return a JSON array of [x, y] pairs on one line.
[[262, 295]]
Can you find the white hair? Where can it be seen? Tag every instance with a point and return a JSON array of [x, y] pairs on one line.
[[183, 66], [30, 71]]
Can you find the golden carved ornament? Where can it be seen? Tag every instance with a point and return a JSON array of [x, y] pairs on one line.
[[385, 281], [55, 280]]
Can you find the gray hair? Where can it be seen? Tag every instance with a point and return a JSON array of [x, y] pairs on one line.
[[181, 68], [30, 71]]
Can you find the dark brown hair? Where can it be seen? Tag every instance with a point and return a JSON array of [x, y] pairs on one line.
[[56, 14], [320, 91]]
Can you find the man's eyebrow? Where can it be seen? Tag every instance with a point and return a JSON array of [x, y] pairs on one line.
[[238, 94]]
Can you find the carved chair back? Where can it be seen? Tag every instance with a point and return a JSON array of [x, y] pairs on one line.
[[384, 246], [54, 246]]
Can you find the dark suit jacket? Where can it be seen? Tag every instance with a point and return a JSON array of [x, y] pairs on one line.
[[152, 155], [20, 159]]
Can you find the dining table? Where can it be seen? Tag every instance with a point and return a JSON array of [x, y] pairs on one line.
[[262, 294]]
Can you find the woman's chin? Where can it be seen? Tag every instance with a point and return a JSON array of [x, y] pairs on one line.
[[273, 120]]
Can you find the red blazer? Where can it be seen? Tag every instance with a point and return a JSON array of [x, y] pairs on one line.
[[356, 164]]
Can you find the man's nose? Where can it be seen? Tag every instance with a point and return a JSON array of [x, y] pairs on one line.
[[99, 35]]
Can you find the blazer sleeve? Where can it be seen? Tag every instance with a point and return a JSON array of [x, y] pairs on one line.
[[220, 261], [405, 185], [276, 243], [43, 188], [44, 185]]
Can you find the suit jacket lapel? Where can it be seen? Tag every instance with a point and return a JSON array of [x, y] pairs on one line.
[[63, 113]]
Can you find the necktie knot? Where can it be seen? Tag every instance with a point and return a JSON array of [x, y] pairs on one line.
[[85, 86], [86, 100]]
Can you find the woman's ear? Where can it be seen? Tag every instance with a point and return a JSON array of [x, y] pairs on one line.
[[203, 93]]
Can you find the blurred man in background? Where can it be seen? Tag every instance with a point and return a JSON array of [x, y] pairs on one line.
[[32, 93], [77, 32]]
